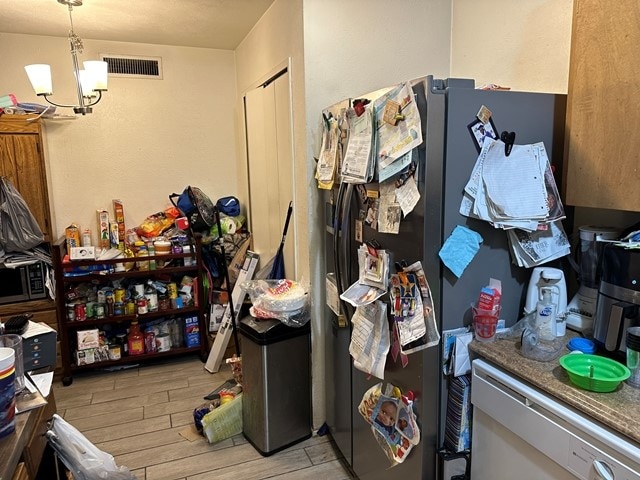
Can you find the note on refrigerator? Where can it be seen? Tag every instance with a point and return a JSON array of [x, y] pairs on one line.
[[370, 339]]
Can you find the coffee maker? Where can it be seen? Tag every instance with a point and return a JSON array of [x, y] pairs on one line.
[[618, 304], [582, 306]]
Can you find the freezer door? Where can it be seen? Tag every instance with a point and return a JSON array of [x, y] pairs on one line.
[[535, 117]]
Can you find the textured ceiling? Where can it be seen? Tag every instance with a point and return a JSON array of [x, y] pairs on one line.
[[218, 24]]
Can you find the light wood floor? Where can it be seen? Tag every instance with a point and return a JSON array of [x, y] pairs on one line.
[[137, 416]]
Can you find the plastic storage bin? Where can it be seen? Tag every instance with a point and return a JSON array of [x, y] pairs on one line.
[[276, 404]]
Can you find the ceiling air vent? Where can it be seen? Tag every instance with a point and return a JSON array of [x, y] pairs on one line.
[[132, 66]]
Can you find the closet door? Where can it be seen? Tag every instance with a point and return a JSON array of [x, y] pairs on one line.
[[270, 168]]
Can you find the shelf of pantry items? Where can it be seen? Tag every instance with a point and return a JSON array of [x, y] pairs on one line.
[[88, 276], [69, 325], [133, 359]]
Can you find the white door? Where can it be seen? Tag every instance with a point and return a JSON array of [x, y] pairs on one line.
[[270, 168]]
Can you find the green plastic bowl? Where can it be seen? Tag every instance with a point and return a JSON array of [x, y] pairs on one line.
[[594, 373]]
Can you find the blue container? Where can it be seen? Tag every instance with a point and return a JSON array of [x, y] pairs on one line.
[[7, 405]]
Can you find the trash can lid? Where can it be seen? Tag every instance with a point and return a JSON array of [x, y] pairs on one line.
[[264, 331]]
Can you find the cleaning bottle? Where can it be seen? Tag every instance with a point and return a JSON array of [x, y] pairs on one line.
[[546, 316]]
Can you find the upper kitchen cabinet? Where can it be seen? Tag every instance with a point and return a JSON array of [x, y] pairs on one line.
[[602, 149], [22, 162]]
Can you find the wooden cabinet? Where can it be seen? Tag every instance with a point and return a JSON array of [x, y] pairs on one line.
[[22, 162], [78, 281], [602, 167], [21, 472]]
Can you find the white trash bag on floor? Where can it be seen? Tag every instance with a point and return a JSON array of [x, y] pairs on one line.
[[83, 459]]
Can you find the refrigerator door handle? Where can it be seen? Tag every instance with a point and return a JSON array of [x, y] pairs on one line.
[[340, 242]]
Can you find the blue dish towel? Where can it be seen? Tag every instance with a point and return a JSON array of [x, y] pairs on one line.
[[459, 249]]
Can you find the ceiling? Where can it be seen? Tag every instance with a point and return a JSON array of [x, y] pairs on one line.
[[220, 24]]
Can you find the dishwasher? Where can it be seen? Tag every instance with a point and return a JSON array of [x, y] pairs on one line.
[[520, 432]]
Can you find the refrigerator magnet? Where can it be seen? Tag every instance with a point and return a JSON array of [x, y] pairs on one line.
[[479, 131]]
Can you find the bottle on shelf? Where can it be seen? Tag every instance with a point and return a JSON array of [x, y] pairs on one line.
[[135, 339]]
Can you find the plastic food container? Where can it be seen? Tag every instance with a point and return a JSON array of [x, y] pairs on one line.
[[583, 345], [594, 373]]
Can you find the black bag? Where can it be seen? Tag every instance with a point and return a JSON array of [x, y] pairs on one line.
[[19, 230], [196, 206]]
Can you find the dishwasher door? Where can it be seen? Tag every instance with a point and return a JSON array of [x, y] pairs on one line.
[[520, 432]]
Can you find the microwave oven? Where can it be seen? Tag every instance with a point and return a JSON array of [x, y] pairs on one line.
[[26, 282]]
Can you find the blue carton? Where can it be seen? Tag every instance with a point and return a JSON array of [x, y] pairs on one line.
[[191, 332]]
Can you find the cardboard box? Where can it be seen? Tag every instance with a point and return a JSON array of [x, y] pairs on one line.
[[114, 235], [82, 253], [103, 228], [118, 210], [88, 339], [191, 332], [85, 357], [72, 236]]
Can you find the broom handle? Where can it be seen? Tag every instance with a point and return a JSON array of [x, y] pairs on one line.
[[286, 222]]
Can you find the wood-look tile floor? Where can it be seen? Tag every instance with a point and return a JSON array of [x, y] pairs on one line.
[[137, 415]]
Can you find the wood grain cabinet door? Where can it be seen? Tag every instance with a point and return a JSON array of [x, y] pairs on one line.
[[603, 111], [22, 162]]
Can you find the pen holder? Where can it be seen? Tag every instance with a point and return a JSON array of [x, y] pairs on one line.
[[485, 323]]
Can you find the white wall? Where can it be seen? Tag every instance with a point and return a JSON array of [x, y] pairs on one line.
[[335, 49], [351, 48], [519, 44], [145, 139]]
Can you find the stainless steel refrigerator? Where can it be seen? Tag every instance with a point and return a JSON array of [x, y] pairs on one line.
[[446, 158]]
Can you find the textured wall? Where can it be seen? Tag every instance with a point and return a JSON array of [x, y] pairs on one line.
[[145, 139], [520, 44]]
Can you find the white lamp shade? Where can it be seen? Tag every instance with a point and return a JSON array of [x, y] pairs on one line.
[[40, 77], [99, 72], [87, 83]]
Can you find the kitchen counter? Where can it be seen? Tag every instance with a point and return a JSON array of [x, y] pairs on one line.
[[618, 410]]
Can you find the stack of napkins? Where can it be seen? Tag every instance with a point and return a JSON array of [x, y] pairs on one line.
[[518, 193]]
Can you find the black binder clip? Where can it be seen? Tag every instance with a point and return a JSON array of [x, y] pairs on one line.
[[509, 139]]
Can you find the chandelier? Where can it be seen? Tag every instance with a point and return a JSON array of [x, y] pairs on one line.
[[90, 82]]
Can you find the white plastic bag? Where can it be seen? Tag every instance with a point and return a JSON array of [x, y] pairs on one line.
[[80, 456]]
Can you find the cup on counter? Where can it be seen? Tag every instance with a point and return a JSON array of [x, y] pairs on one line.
[[633, 355], [15, 343], [7, 391], [485, 323]]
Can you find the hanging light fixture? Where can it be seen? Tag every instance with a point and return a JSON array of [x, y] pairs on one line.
[[90, 82]]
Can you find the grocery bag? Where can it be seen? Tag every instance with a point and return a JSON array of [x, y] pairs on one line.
[[19, 230], [223, 422]]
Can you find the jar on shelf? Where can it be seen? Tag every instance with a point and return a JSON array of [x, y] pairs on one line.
[[164, 302], [142, 265], [135, 339]]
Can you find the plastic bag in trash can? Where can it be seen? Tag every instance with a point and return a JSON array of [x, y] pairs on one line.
[[285, 300]]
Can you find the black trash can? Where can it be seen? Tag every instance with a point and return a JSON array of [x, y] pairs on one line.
[[276, 385]]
